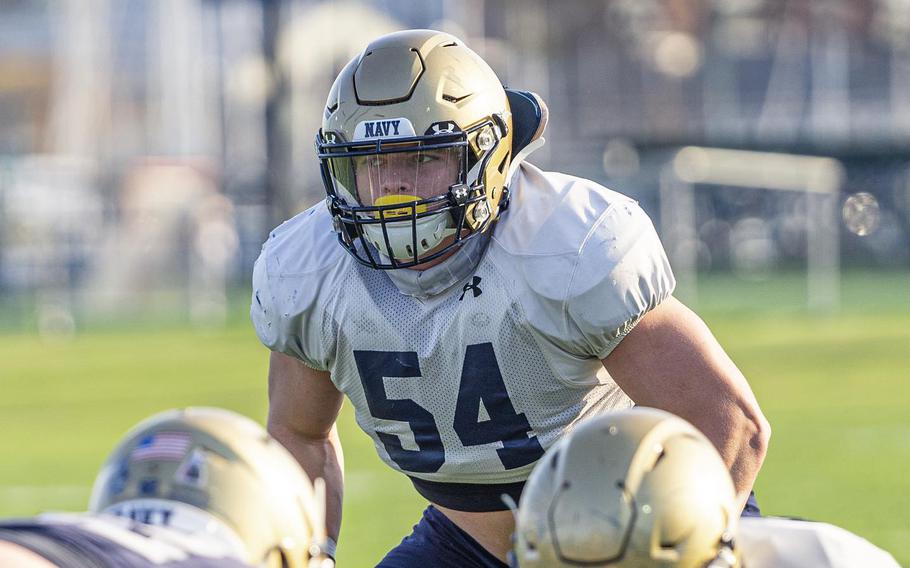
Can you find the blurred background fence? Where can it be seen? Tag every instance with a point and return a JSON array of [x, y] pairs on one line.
[[146, 148]]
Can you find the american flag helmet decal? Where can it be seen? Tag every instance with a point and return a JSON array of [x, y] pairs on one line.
[[162, 445]]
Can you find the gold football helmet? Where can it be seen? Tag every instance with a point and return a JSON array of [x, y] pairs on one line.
[[626, 489], [415, 147], [207, 470]]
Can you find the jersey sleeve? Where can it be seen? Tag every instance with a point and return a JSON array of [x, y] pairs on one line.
[[622, 272], [285, 312]]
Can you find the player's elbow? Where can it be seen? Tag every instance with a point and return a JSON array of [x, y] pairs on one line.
[[296, 433], [756, 432]]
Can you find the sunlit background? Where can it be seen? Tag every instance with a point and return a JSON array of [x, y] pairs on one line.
[[147, 147]]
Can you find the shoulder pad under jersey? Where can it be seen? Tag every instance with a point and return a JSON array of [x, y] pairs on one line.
[[296, 273], [589, 256]]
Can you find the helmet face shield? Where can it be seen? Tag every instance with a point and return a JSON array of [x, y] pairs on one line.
[[402, 175], [405, 200]]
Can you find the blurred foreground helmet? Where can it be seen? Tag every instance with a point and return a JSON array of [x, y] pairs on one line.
[[414, 148], [207, 470], [634, 488]]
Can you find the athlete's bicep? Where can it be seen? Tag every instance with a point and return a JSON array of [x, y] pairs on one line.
[[302, 400], [671, 360]]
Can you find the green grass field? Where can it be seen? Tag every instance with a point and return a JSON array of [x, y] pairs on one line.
[[836, 389]]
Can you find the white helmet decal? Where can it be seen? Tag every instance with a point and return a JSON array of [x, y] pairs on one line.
[[391, 128]]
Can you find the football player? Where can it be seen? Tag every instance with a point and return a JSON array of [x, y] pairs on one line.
[[471, 307], [642, 487], [192, 488]]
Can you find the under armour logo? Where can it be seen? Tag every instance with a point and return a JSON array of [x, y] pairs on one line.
[[473, 287], [444, 127], [460, 192]]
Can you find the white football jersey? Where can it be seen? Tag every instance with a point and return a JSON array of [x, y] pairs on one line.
[[463, 374], [86, 539], [768, 542]]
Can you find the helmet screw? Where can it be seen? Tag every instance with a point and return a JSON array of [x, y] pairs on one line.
[[485, 139]]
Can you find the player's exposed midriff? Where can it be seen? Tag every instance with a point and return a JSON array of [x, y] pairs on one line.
[[492, 530]]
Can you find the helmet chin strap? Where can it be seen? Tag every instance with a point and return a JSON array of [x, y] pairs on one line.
[[473, 173]]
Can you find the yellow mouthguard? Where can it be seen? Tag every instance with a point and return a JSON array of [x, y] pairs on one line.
[[395, 200]]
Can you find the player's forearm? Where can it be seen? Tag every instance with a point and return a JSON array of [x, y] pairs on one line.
[[320, 458]]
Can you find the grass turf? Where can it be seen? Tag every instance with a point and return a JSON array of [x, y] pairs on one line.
[[835, 388]]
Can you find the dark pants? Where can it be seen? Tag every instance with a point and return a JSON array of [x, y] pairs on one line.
[[751, 509]]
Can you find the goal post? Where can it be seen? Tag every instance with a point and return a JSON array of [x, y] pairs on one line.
[[819, 178]]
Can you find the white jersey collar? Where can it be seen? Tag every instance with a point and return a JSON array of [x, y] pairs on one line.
[[422, 284]]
